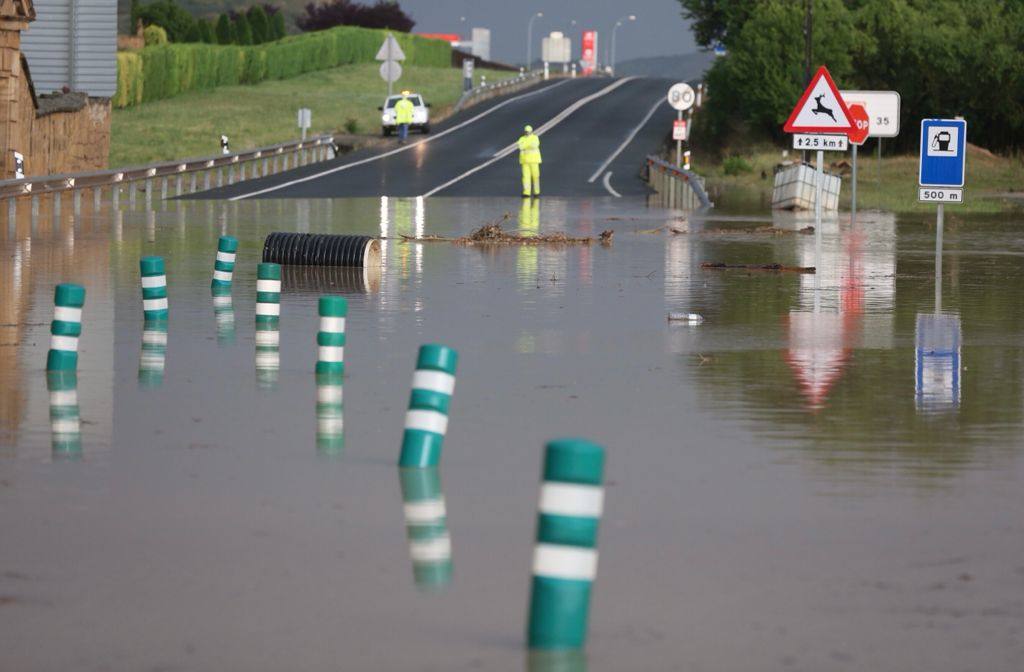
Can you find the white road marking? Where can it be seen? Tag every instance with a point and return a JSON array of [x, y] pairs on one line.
[[625, 143], [608, 185], [403, 148], [554, 121]]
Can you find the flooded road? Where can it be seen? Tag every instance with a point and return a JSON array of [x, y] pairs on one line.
[[825, 474]]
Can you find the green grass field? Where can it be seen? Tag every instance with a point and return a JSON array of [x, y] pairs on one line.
[[990, 179], [190, 125]]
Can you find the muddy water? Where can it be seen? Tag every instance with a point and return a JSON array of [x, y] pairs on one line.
[[825, 474]]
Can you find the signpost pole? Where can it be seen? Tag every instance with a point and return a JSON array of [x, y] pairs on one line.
[[879, 172], [390, 83], [818, 176], [679, 143], [853, 195], [938, 258]]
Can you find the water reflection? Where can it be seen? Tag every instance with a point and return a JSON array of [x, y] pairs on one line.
[[332, 279], [937, 350], [330, 414], [65, 423], [268, 358], [224, 315], [556, 661], [153, 357], [426, 526]]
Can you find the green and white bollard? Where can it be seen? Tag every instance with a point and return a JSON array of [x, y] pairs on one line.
[[330, 414], [556, 660], [65, 328], [330, 340], [426, 526], [224, 266], [65, 424], [153, 357], [268, 293], [426, 421], [565, 558], [224, 314], [154, 288]]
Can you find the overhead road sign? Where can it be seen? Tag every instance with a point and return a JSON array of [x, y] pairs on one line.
[[681, 96], [883, 108], [820, 109], [943, 157]]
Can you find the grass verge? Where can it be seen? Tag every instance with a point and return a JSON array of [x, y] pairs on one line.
[[994, 184], [343, 98]]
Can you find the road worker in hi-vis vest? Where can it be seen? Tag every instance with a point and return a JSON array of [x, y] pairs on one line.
[[529, 159]]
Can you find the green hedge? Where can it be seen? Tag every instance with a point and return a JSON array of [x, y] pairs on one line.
[[164, 71]]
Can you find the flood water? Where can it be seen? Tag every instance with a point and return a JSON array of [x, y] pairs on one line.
[[826, 474]]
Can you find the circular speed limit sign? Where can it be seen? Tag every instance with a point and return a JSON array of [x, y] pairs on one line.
[[681, 96]]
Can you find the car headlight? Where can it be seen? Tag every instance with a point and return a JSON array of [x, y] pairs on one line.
[[386, 118]]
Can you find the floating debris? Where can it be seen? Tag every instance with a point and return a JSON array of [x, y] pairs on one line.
[[691, 318], [493, 234], [777, 268]]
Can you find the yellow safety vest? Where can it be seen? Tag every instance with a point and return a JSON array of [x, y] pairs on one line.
[[529, 149], [403, 111]]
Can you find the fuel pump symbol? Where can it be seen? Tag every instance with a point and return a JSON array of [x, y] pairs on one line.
[[941, 141]]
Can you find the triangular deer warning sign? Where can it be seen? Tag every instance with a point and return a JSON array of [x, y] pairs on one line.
[[821, 109]]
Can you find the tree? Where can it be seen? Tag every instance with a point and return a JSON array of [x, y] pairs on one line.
[[225, 31], [193, 34], [718, 20], [243, 31], [206, 33], [348, 13], [277, 23], [260, 24], [170, 16]]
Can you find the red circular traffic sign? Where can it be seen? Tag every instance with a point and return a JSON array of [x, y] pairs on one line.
[[859, 133]]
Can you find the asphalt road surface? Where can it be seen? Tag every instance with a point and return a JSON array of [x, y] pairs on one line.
[[594, 136]]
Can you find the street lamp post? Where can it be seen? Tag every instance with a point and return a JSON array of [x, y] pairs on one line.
[[529, 39], [631, 17]]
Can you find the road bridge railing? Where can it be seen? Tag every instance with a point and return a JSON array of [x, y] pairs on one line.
[[676, 187], [201, 173], [500, 88]]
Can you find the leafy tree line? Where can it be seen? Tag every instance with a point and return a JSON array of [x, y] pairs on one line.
[[330, 13], [944, 57], [256, 25]]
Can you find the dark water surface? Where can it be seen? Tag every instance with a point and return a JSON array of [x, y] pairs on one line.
[[824, 475]]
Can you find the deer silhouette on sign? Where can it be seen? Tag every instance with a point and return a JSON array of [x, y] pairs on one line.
[[821, 109]]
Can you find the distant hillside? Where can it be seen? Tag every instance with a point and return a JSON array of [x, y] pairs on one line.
[[682, 67]]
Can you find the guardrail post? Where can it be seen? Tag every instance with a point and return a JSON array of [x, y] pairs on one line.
[[56, 204], [192, 182], [274, 163], [115, 196], [35, 207], [163, 189], [76, 200], [12, 214], [96, 195], [177, 185], [266, 166], [131, 194], [231, 174], [149, 192], [220, 177]]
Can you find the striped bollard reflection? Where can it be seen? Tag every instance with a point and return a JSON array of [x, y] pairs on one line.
[[565, 558], [224, 314], [154, 288], [268, 358], [426, 421], [224, 266], [65, 328], [330, 414], [153, 357], [426, 526], [330, 339], [65, 424], [268, 293]]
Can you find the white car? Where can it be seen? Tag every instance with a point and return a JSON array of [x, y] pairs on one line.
[[420, 114]]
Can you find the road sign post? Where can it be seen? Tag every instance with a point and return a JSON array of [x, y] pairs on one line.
[[389, 54], [681, 97], [943, 158], [883, 108], [822, 126], [305, 120], [857, 137]]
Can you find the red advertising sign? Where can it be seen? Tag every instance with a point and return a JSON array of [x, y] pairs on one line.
[[861, 122], [588, 59]]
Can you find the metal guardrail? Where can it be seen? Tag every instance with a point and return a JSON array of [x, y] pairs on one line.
[[678, 188], [498, 88], [301, 151]]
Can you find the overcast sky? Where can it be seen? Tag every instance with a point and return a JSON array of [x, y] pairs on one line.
[[659, 29]]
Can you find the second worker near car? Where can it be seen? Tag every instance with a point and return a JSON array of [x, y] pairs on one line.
[[530, 160], [403, 116]]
